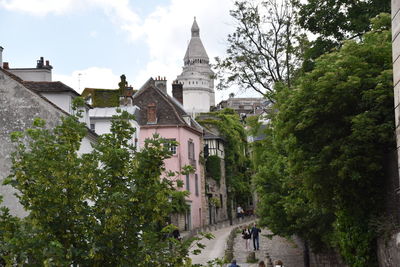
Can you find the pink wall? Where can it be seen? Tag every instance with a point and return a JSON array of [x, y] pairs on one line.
[[180, 159]]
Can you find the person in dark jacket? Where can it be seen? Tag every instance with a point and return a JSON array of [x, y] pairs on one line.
[[233, 264], [255, 234]]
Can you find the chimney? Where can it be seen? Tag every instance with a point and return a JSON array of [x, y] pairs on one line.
[[6, 66], [177, 91], [151, 113], [40, 63], [1, 56], [161, 83]]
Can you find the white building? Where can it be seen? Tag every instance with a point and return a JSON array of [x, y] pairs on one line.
[[100, 120], [197, 77]]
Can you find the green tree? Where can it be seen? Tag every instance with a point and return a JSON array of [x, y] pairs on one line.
[[333, 21], [324, 155], [262, 50], [106, 208]]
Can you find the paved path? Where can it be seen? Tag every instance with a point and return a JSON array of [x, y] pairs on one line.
[[278, 248], [215, 248], [289, 251]]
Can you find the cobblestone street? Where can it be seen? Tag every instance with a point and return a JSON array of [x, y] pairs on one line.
[[290, 252]]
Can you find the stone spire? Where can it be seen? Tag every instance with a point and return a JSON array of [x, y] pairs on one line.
[[195, 51], [195, 29]]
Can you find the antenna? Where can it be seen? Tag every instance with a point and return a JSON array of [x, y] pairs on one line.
[[79, 81]]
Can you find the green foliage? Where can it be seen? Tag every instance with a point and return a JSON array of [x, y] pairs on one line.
[[105, 208], [236, 161], [213, 167], [334, 21], [321, 171], [340, 19]]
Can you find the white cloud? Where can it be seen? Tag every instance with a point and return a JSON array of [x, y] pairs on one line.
[[38, 7], [93, 77], [165, 30]]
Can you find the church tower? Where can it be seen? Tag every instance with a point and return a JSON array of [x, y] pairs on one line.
[[197, 77]]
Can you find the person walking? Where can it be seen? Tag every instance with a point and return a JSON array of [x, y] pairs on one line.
[[261, 264], [233, 264], [246, 235], [239, 212], [256, 237]]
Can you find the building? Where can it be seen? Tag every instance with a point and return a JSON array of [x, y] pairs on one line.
[[164, 115], [197, 77], [22, 102], [216, 189], [42, 72], [105, 104], [245, 106]]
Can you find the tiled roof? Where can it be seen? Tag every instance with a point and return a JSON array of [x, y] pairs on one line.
[[168, 110], [49, 87]]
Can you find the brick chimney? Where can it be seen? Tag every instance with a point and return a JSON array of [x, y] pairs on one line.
[[161, 83], [151, 113], [177, 91]]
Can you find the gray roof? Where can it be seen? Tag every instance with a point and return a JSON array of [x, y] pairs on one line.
[[195, 49], [108, 112]]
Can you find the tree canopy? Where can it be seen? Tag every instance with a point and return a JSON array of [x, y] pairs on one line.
[[324, 153], [109, 207]]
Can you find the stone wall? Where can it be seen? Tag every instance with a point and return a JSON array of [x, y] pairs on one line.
[[18, 107], [330, 259], [389, 245]]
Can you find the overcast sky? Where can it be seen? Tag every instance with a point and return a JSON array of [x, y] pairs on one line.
[[90, 43]]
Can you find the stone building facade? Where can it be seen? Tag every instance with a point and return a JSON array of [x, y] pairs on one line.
[[18, 108]]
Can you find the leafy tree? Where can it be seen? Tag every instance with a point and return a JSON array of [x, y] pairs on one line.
[[261, 51], [106, 208], [333, 21], [324, 155]]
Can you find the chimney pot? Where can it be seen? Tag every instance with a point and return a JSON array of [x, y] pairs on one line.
[[5, 65]]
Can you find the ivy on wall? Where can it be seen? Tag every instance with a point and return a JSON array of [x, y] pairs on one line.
[[213, 167]]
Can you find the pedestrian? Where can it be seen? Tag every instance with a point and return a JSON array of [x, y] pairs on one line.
[[261, 264], [233, 264], [256, 237], [239, 212], [176, 234], [246, 235]]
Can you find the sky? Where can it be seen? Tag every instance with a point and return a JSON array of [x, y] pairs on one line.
[[90, 43]]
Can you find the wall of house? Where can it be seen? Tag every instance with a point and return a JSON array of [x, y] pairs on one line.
[[180, 159], [62, 99], [36, 75], [18, 108]]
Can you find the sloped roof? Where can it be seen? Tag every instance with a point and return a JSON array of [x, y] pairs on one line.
[[195, 49], [50, 87], [168, 110], [110, 111]]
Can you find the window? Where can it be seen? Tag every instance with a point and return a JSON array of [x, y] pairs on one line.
[[92, 126], [196, 185], [171, 147], [191, 150], [187, 182]]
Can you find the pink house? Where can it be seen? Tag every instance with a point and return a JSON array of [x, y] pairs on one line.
[[162, 114]]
